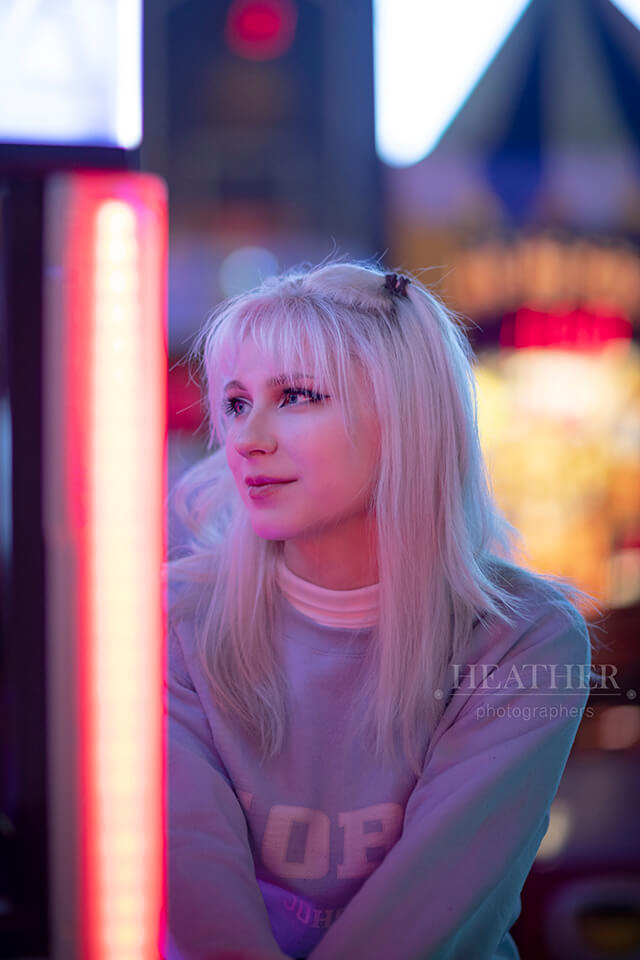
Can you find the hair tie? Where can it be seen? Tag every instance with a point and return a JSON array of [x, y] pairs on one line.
[[396, 283]]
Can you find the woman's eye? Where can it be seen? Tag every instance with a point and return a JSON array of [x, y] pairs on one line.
[[230, 407], [293, 395], [231, 403], [301, 392]]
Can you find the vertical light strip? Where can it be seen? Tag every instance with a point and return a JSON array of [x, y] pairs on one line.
[[105, 365], [119, 582], [124, 659], [129, 73]]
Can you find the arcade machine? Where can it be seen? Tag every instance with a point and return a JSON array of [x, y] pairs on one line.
[[83, 246]]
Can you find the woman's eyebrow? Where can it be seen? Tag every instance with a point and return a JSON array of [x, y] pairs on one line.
[[280, 379]]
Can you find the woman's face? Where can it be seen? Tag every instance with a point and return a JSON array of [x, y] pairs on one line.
[[293, 431]]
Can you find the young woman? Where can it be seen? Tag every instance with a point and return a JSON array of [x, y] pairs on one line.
[[370, 705]]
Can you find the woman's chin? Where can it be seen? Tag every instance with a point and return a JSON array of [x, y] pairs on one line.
[[272, 531]]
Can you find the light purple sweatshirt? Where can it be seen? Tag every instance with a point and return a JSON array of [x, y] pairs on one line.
[[321, 853]]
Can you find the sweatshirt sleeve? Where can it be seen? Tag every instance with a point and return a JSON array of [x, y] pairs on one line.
[[449, 888], [214, 910]]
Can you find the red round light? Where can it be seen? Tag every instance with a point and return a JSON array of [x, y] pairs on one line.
[[261, 29]]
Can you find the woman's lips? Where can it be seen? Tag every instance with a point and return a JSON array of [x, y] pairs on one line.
[[262, 490]]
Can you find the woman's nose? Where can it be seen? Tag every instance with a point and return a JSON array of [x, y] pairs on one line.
[[254, 436]]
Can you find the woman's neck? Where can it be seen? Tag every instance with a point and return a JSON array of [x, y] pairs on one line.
[[341, 558]]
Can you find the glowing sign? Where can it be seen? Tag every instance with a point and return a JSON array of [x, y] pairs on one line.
[[73, 70]]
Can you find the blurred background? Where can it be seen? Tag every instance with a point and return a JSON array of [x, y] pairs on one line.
[[494, 151]]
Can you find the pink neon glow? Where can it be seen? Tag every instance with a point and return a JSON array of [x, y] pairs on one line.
[[116, 479], [261, 29], [572, 328]]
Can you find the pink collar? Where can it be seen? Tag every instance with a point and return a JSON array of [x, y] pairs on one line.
[[331, 608]]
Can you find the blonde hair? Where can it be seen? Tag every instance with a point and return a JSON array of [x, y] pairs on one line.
[[444, 549]]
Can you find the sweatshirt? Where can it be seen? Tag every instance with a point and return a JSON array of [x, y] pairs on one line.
[[320, 852]]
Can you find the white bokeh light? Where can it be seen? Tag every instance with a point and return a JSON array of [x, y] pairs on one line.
[[630, 8], [428, 57], [74, 72]]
